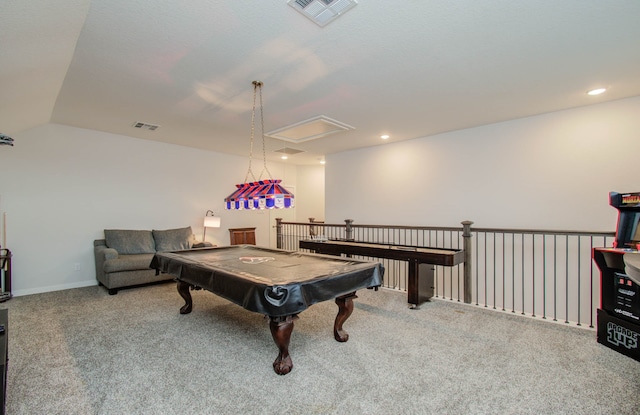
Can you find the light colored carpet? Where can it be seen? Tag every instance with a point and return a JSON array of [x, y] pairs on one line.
[[82, 351]]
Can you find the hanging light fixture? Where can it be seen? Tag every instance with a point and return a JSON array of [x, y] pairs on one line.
[[259, 194]]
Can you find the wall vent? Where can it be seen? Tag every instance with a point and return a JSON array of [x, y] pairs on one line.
[[5, 140], [146, 126], [322, 12]]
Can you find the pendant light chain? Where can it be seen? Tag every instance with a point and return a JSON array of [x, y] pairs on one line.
[[256, 85], [259, 194], [264, 151]]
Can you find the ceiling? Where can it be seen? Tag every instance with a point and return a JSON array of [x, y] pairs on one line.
[[408, 69]]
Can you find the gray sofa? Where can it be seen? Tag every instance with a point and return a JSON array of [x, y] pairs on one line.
[[123, 256]]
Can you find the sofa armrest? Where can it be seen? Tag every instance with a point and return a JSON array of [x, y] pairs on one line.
[[109, 253], [104, 252], [101, 254]]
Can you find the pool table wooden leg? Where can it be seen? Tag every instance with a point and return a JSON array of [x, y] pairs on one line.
[[345, 308], [183, 290], [281, 328]]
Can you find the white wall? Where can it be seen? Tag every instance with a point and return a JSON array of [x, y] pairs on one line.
[[61, 186], [552, 171], [310, 192]]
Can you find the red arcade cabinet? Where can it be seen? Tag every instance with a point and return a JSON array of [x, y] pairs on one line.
[[619, 312]]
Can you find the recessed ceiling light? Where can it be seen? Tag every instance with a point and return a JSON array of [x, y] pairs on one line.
[[284, 157], [597, 91], [323, 162], [384, 137]]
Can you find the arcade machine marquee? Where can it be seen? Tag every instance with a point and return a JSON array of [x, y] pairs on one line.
[[619, 312]]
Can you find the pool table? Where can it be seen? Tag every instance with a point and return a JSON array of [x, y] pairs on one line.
[[279, 284]]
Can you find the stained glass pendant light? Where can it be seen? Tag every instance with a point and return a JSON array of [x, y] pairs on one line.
[[259, 194]]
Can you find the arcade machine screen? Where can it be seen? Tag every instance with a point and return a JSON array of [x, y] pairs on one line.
[[627, 231]]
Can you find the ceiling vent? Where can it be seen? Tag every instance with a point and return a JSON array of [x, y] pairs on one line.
[[5, 140], [310, 129], [322, 12], [146, 126]]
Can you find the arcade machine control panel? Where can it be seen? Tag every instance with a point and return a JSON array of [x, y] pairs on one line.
[[619, 312]]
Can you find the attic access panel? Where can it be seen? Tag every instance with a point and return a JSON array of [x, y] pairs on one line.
[[288, 151], [310, 129]]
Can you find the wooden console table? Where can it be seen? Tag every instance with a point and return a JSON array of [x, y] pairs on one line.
[[243, 236]]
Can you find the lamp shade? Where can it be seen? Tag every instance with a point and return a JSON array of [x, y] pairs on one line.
[[211, 222], [263, 194]]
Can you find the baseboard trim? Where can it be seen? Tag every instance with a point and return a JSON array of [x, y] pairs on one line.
[[40, 290]]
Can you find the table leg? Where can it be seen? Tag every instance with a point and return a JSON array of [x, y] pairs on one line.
[[281, 328], [345, 308], [183, 290]]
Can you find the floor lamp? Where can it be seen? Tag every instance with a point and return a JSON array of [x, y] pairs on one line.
[[210, 221]]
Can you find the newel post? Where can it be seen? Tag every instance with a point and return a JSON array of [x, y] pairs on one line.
[[279, 233], [348, 230], [466, 242], [312, 229]]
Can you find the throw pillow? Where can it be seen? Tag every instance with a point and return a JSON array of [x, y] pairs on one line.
[[173, 239], [129, 242]]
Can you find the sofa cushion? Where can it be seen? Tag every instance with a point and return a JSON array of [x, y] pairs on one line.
[[173, 239], [128, 242], [128, 263]]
